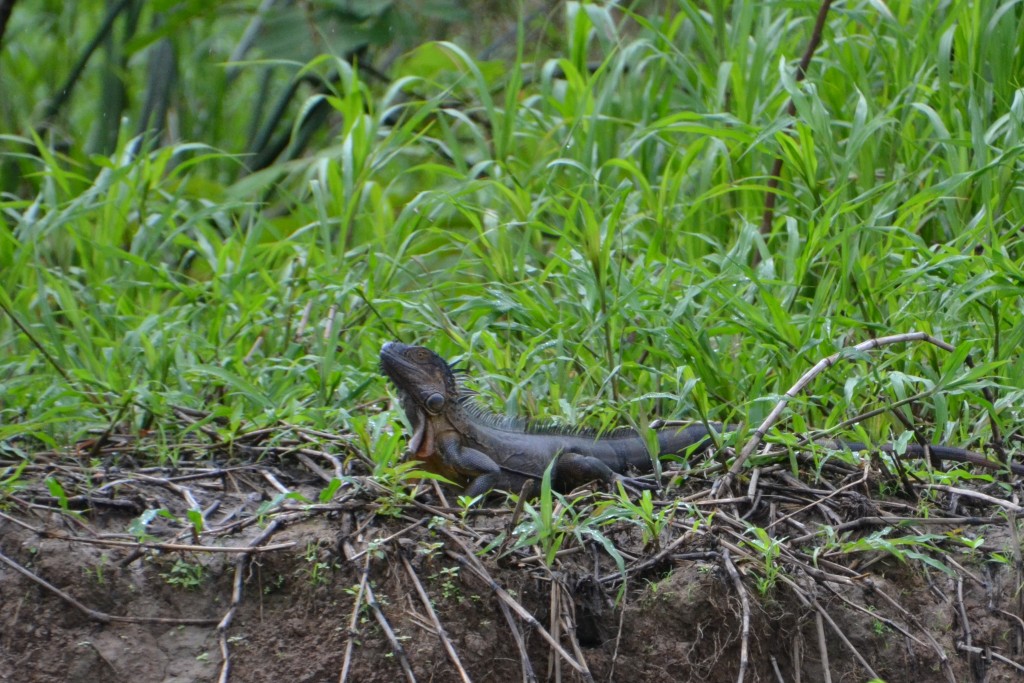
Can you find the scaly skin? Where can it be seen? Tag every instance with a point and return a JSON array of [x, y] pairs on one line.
[[457, 438]]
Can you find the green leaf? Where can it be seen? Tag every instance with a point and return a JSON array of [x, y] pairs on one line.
[[57, 491], [327, 494]]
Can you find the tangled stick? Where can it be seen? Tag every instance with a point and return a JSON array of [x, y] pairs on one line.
[[352, 622], [745, 626], [371, 600], [441, 633], [241, 562], [469, 560], [723, 483]]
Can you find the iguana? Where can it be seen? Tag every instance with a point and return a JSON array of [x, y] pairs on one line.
[[456, 437]]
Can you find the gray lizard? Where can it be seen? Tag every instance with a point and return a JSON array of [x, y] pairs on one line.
[[456, 437]]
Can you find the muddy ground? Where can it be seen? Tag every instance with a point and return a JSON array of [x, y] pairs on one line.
[[369, 586]]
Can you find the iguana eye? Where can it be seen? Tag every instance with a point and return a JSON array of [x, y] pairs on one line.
[[435, 402]]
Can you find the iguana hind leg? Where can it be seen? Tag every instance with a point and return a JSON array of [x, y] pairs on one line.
[[574, 469]]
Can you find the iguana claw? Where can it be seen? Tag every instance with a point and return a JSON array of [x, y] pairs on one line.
[[635, 485]]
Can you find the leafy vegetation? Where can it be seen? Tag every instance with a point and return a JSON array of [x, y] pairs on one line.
[[185, 575], [578, 220]]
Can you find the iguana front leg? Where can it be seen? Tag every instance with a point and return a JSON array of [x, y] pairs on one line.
[[575, 469], [484, 473]]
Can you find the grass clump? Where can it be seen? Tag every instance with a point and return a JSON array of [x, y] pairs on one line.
[[578, 220]]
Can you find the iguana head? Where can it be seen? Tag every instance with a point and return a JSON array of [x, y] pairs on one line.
[[420, 374], [426, 387]]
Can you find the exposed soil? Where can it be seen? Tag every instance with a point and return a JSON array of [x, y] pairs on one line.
[[679, 618]]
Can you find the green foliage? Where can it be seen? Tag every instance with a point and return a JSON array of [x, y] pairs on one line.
[[593, 229], [327, 494], [652, 521], [57, 491], [269, 506], [185, 575], [546, 524], [768, 549], [555, 520], [919, 547], [450, 589], [318, 568], [98, 571], [10, 478], [195, 518], [138, 526], [577, 218]]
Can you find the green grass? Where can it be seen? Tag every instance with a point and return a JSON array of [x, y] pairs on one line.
[[587, 241]]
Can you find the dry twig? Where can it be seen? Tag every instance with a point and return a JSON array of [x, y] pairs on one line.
[[389, 633], [366, 591], [354, 618], [723, 483], [745, 624], [569, 625], [468, 559], [826, 673], [977, 495], [988, 652], [96, 615], [801, 72], [236, 599], [445, 641]]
